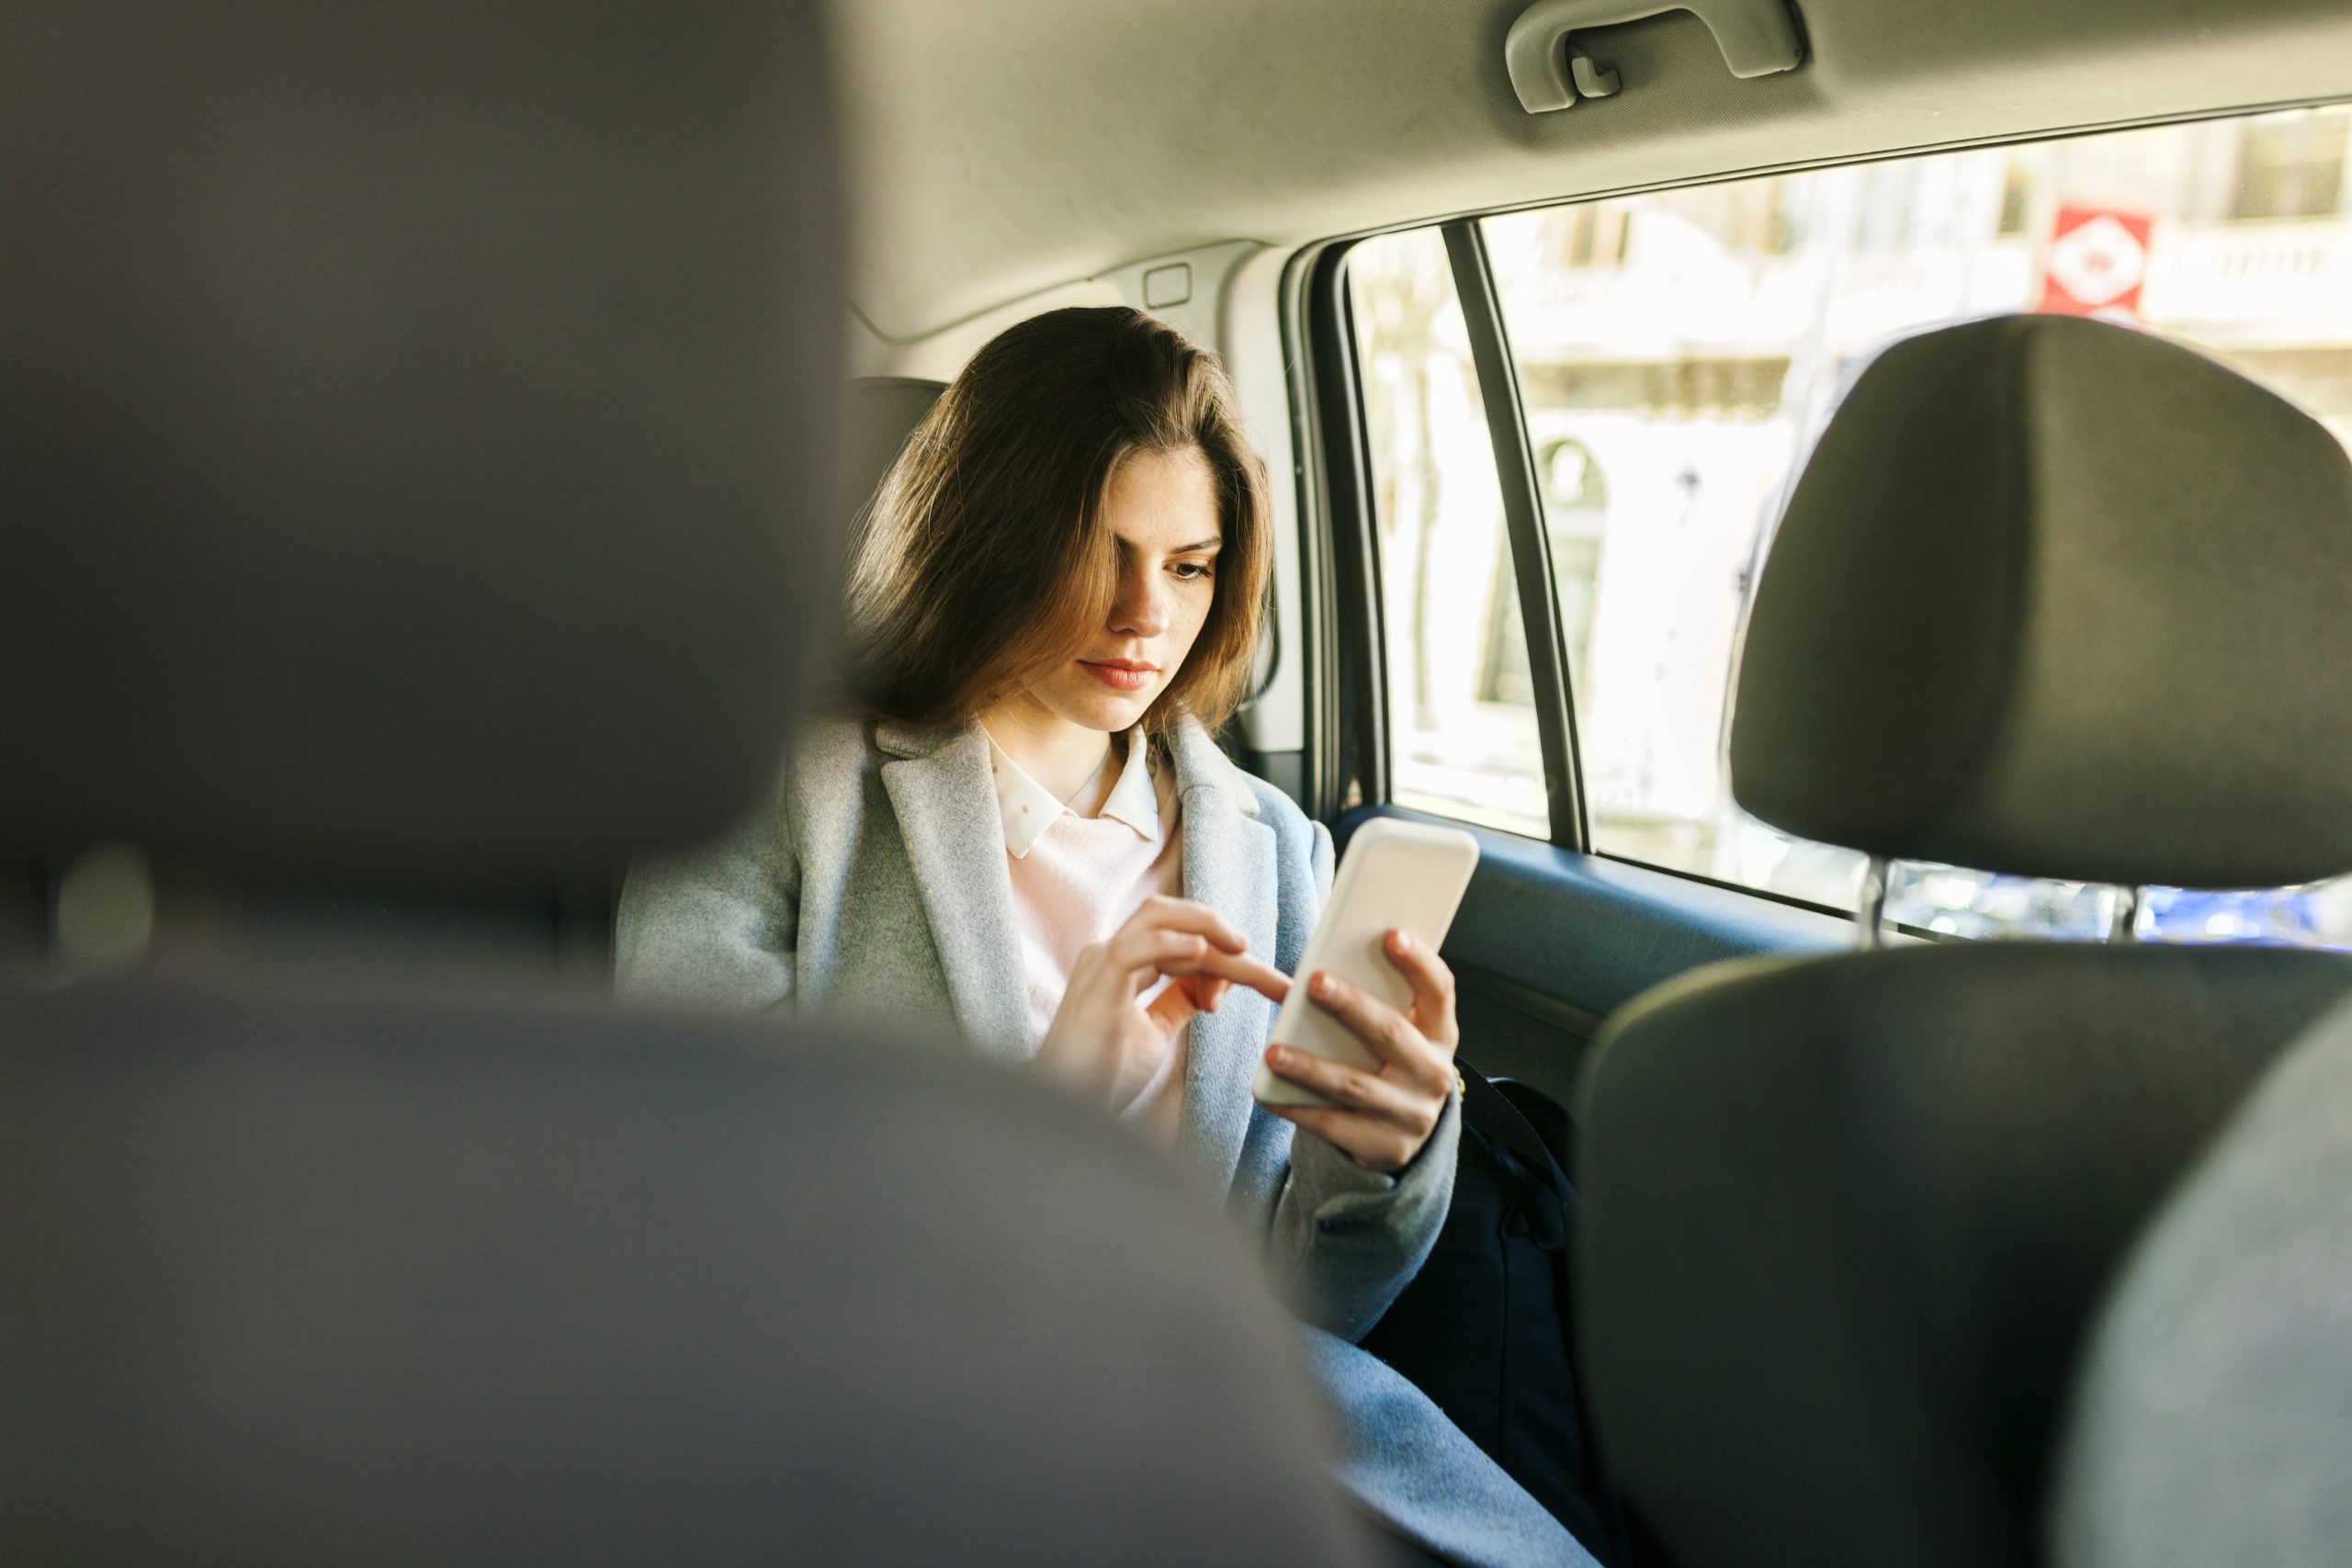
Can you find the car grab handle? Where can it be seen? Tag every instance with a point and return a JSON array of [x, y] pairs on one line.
[[1758, 37]]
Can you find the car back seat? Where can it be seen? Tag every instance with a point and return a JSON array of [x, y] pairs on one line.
[[881, 413]]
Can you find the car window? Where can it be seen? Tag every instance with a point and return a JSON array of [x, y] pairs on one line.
[[1461, 719], [1678, 353]]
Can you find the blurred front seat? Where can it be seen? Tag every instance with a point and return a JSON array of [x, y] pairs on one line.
[[2212, 1422], [408, 422]]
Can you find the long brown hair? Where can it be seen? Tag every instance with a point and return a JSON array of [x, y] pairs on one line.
[[984, 559]]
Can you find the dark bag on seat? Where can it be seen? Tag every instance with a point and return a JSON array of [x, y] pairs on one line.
[[1484, 1328]]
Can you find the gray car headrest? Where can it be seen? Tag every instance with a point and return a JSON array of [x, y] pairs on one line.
[[417, 428], [2057, 598]]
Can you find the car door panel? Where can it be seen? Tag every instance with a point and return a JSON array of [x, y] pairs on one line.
[[1549, 942]]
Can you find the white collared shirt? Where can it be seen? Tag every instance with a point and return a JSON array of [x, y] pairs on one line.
[[1029, 807], [1076, 879]]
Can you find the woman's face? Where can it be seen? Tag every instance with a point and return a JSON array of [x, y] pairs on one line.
[[1162, 509]]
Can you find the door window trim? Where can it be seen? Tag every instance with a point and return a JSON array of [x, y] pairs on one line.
[[1346, 666], [1523, 521], [1345, 672]]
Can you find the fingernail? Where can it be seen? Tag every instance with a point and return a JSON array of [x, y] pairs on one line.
[[1277, 1057], [1321, 985], [1403, 941]]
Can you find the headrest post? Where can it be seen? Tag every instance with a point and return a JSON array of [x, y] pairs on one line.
[[1870, 920], [2125, 925]]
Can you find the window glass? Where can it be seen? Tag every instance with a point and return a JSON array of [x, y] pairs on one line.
[[1462, 725], [1678, 353]]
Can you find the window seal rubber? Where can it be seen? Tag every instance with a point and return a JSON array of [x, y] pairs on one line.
[[1531, 544], [1345, 673]]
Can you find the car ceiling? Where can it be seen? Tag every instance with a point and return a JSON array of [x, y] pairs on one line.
[[1000, 150]]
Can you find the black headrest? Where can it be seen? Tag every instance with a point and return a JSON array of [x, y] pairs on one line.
[[2058, 598], [417, 425]]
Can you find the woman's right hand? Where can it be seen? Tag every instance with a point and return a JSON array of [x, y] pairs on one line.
[[1104, 1040]]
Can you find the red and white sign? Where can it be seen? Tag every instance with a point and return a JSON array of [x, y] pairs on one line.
[[2096, 264]]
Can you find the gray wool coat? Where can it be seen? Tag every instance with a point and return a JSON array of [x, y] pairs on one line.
[[874, 884]]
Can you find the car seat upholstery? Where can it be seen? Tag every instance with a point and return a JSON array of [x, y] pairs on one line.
[[882, 411], [418, 428], [1847, 1216], [2213, 1419]]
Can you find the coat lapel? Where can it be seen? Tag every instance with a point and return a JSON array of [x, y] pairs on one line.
[[1228, 865], [939, 788]]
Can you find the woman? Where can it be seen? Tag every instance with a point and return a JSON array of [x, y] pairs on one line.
[[1028, 836]]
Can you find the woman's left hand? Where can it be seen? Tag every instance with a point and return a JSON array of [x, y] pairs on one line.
[[1379, 1118]]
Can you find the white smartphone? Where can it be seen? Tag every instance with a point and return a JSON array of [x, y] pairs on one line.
[[1397, 875]]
